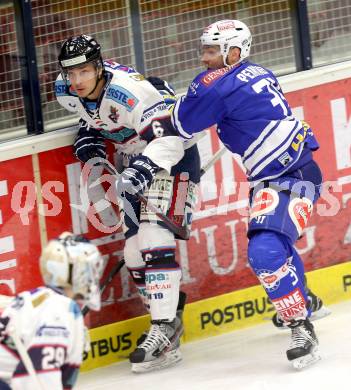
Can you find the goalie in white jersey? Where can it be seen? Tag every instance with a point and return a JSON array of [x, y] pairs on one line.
[[117, 104], [48, 320]]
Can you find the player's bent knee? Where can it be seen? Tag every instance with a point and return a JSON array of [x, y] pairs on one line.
[[267, 251]]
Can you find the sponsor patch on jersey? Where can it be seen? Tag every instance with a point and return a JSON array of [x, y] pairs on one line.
[[137, 77], [285, 159], [60, 88], [300, 211], [115, 65], [40, 299], [210, 77], [121, 96], [265, 201], [153, 111], [119, 136], [52, 331]]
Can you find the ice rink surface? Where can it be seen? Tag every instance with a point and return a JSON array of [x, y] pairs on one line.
[[249, 359]]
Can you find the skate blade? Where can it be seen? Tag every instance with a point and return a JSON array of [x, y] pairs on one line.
[[321, 313], [307, 360], [166, 360]]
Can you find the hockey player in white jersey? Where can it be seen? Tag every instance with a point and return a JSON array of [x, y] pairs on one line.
[[117, 104], [48, 320]]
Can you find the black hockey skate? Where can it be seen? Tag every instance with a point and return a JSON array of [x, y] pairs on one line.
[[315, 304], [160, 349], [303, 349], [179, 314]]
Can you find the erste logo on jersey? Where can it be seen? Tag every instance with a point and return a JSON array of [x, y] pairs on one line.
[[60, 88], [121, 96]]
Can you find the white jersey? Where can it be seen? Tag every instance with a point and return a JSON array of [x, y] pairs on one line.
[[129, 112], [52, 330]]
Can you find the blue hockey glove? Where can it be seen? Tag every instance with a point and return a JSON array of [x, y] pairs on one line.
[[136, 178], [88, 145]]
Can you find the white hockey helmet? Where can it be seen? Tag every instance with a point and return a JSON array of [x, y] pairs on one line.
[[227, 34], [73, 261]]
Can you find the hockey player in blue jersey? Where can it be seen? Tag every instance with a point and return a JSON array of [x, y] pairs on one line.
[[253, 119]]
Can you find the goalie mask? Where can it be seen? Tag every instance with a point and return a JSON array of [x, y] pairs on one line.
[[72, 261], [78, 51], [227, 34]]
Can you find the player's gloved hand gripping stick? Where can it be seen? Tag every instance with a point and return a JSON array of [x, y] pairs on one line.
[[181, 231]]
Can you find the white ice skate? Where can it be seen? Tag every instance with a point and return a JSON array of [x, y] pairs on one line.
[[160, 349]]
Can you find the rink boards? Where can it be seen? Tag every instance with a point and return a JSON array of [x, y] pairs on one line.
[[214, 316], [44, 191]]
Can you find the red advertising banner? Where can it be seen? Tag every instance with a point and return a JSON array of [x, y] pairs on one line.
[[214, 260], [19, 227]]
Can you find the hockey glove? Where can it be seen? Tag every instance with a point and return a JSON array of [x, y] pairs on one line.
[[164, 89], [3, 324], [88, 145], [136, 178]]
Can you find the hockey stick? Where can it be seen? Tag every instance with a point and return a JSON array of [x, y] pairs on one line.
[[212, 160], [117, 267], [114, 271], [25, 358], [181, 231]]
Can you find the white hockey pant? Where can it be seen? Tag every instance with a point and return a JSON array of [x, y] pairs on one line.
[[150, 259]]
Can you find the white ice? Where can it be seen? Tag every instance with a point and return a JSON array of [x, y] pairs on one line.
[[248, 359]]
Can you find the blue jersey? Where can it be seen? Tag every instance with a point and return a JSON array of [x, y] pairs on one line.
[[252, 116]]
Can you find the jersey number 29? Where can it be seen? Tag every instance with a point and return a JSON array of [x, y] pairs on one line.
[[53, 357]]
